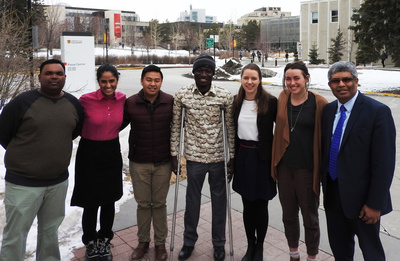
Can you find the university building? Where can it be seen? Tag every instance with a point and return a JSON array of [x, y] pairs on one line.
[[117, 26], [320, 21]]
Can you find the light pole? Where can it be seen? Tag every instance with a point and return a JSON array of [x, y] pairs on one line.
[[279, 46], [106, 39]]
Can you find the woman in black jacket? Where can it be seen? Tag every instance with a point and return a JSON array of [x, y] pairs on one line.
[[255, 113]]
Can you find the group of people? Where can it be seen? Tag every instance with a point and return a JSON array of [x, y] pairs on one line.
[[287, 146]]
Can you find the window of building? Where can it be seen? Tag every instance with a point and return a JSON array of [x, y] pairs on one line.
[[314, 17], [334, 16]]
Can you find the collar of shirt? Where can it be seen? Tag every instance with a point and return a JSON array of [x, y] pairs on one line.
[[100, 96], [210, 92], [348, 105]]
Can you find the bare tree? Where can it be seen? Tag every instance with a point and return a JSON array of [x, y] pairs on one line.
[[147, 42], [202, 39], [190, 35], [227, 35], [155, 32], [14, 56], [51, 28]]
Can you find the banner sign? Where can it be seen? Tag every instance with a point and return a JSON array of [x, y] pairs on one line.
[[117, 25]]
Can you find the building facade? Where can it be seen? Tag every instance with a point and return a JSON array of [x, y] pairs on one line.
[[320, 21], [262, 14], [280, 34], [118, 27], [196, 16]]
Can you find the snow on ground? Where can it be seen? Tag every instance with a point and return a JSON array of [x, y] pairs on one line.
[[70, 231]]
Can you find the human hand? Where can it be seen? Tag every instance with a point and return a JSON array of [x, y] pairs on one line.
[[369, 215]]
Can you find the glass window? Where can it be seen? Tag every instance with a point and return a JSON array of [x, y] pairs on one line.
[[334, 16], [314, 17]]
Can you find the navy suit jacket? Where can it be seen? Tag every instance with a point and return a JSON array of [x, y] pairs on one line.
[[366, 158]]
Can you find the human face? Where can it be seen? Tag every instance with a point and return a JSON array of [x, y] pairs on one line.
[[151, 83], [343, 86], [295, 81], [203, 78], [108, 84], [250, 82], [52, 80]]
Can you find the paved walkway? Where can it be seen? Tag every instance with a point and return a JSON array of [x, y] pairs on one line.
[[275, 246]]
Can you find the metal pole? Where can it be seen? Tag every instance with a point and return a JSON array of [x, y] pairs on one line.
[[107, 42], [178, 172], [279, 47], [32, 82], [228, 191], [214, 46]]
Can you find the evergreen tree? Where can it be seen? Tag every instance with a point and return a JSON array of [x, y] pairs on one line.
[[366, 53], [251, 33], [377, 28], [166, 32], [335, 51], [313, 55]]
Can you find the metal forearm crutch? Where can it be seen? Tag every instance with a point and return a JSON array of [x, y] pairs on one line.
[[228, 188], [178, 172]]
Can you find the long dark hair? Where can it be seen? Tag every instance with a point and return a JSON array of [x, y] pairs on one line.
[[262, 96]]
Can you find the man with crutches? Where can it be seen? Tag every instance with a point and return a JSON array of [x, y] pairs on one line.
[[203, 150]]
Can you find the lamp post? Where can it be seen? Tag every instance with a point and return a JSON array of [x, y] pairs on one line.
[[106, 39], [279, 46]]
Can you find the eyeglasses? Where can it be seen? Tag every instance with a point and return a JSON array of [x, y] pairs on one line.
[[345, 80]]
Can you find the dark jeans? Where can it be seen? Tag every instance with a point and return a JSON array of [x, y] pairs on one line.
[[196, 173]]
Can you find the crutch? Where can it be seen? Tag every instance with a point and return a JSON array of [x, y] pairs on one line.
[[228, 188], [178, 172]]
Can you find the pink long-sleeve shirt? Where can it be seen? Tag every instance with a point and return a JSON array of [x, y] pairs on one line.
[[103, 117]]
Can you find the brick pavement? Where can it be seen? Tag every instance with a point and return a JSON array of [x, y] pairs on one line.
[[275, 246]]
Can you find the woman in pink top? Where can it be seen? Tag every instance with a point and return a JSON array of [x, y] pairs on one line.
[[98, 167]]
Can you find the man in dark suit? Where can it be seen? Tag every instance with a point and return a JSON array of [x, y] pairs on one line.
[[356, 176]]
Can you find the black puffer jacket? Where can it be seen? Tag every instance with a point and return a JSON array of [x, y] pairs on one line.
[[149, 138]]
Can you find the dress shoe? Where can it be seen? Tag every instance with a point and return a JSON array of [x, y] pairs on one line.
[[161, 253], [140, 250], [186, 252], [294, 259], [219, 253]]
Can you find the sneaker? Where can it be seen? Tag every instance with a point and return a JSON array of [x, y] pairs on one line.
[[104, 249], [91, 250]]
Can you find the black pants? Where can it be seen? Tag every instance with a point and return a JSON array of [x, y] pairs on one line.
[[341, 230], [89, 222], [255, 219]]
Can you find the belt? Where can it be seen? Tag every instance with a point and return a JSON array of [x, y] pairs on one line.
[[249, 147]]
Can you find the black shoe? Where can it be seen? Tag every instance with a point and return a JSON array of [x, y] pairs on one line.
[[259, 252], [91, 250], [251, 245], [219, 253], [104, 249], [186, 252]]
